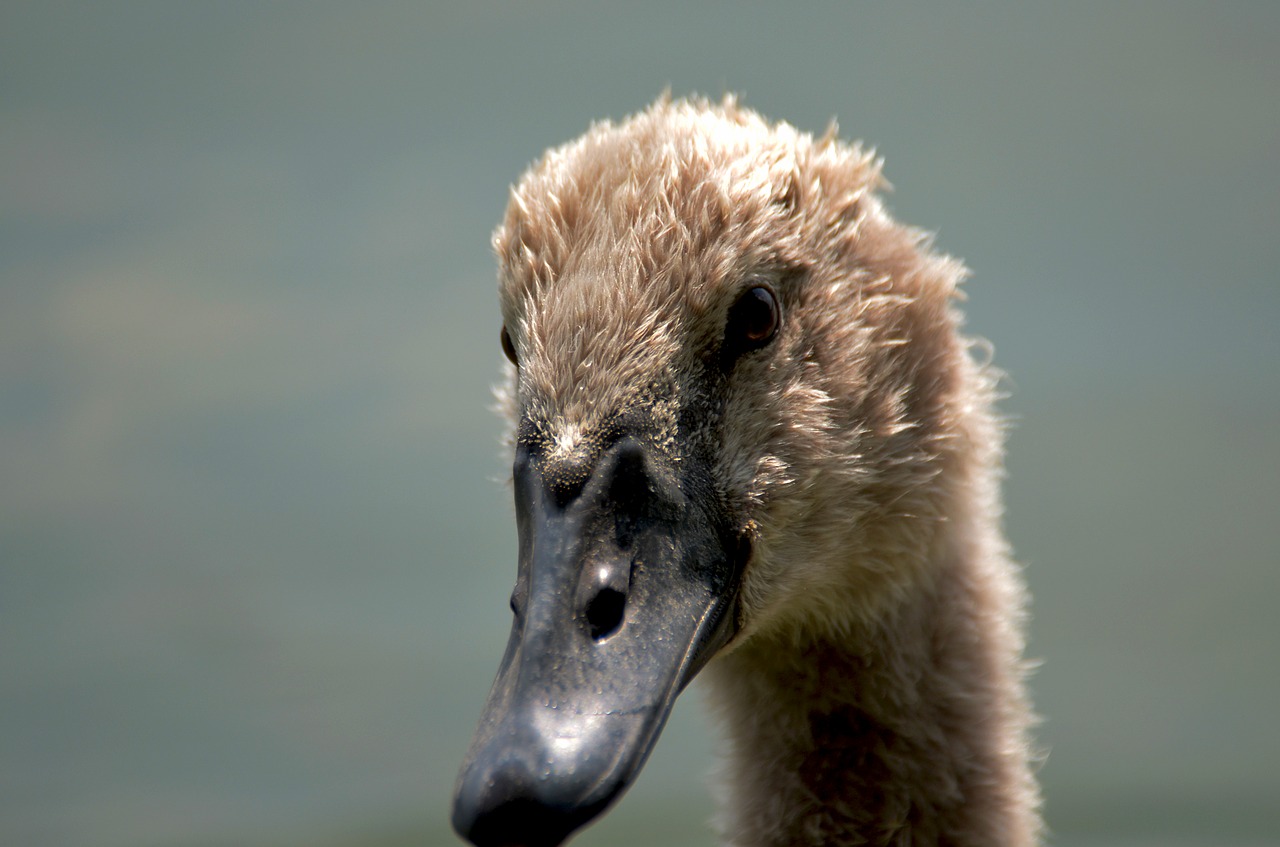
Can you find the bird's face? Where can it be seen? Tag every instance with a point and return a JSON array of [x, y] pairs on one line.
[[634, 518], [678, 438]]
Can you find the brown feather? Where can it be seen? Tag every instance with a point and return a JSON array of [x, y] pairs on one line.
[[874, 694]]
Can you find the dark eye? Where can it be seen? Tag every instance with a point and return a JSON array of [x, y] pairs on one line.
[[753, 321], [508, 348]]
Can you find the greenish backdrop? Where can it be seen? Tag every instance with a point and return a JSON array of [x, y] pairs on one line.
[[254, 556]]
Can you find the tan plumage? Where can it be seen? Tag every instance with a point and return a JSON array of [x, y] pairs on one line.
[[873, 691]]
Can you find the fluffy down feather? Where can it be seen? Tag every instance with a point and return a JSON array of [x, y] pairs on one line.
[[874, 692]]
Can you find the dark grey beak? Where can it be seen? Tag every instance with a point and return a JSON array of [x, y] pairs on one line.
[[627, 586]]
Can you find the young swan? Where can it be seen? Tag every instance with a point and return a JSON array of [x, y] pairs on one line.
[[748, 435]]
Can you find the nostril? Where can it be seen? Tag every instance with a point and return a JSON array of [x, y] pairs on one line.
[[604, 613]]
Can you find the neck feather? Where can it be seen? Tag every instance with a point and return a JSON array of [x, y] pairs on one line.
[[906, 730]]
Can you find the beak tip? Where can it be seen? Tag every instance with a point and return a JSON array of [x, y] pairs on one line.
[[502, 802]]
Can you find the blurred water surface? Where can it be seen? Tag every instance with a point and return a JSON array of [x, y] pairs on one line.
[[254, 554]]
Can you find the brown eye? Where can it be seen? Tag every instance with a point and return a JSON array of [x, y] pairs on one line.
[[509, 349], [753, 321]]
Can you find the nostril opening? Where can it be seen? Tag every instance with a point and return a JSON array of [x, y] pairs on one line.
[[604, 613]]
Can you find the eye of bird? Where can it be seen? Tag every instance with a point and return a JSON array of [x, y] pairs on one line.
[[753, 321], [508, 348]]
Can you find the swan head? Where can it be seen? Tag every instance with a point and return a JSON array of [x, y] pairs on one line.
[[733, 399]]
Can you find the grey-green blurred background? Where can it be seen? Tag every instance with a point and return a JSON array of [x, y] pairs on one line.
[[254, 556]]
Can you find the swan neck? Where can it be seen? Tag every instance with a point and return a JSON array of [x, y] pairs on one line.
[[907, 731]]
